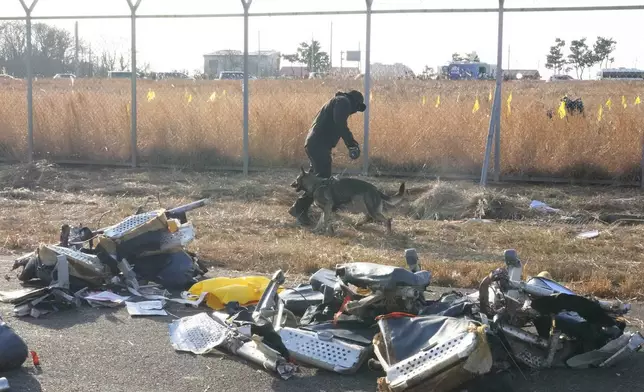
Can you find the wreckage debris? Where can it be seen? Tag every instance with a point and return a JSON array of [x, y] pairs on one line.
[[363, 312], [147, 246], [342, 318]]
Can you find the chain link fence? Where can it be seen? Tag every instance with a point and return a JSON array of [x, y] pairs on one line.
[[431, 122]]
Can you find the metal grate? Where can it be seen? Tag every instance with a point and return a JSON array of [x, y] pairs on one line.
[[180, 238], [336, 354], [198, 334], [131, 223], [422, 363], [75, 255]]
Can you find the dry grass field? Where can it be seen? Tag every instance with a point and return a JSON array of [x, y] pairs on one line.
[[247, 226], [198, 124]]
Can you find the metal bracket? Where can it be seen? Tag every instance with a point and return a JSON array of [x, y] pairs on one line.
[[133, 6], [246, 4], [28, 9]]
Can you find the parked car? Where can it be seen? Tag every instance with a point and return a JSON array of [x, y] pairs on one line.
[[65, 76], [560, 78], [171, 75]]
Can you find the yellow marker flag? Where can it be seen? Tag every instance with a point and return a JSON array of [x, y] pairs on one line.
[[188, 96], [424, 100], [458, 98], [609, 104], [562, 110], [438, 101], [151, 95], [213, 97], [477, 106], [510, 104], [638, 101], [489, 97], [223, 93], [624, 102], [127, 109], [600, 113]]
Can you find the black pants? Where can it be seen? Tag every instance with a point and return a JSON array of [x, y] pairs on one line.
[[320, 163]]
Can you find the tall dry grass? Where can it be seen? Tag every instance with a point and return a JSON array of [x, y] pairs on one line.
[[187, 124]]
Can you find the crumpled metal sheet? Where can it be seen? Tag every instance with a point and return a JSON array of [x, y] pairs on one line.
[[198, 334]]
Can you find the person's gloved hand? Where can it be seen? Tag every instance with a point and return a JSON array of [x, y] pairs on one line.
[[354, 152]]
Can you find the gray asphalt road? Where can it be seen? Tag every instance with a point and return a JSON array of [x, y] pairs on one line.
[[107, 350]]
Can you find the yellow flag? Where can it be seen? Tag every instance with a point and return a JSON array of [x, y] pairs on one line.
[[562, 110], [213, 97], [489, 97], [477, 106], [424, 100], [127, 109], [638, 101], [151, 95], [223, 93], [510, 104], [600, 113], [458, 98], [624, 102], [609, 104], [188, 97], [438, 101]]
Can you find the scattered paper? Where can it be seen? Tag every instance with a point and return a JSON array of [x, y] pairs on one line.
[[186, 297], [543, 207], [106, 296], [146, 308], [588, 235]]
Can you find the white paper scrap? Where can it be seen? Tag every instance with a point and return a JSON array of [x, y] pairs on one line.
[[146, 308]]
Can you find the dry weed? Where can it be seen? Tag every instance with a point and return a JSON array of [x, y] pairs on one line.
[[199, 124]]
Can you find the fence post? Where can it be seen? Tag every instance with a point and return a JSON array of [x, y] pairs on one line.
[[495, 117], [499, 88], [245, 153], [133, 106], [30, 81], [367, 91]]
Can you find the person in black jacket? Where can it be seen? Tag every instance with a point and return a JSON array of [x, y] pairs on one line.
[[329, 126]]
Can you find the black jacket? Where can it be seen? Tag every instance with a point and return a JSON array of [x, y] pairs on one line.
[[330, 124]]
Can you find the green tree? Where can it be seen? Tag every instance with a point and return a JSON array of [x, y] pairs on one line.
[[310, 54], [580, 57], [456, 57], [555, 60], [603, 49]]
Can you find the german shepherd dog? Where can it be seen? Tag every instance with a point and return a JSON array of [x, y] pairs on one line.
[[348, 195]]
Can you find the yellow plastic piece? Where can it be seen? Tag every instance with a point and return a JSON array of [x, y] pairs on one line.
[[173, 225], [245, 290]]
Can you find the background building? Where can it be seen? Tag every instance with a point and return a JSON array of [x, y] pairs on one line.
[[264, 64]]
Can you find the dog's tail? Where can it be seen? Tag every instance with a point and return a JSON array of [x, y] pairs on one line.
[[395, 199]]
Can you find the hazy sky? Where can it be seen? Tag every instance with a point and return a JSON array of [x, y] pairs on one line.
[[413, 39]]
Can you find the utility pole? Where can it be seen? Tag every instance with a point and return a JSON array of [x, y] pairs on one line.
[[259, 53], [76, 63], [331, 48]]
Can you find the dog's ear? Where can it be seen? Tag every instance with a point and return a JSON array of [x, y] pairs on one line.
[[294, 184]]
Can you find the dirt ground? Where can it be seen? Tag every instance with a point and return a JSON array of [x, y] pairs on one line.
[[459, 230]]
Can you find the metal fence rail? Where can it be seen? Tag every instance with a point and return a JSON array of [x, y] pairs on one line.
[[494, 131]]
